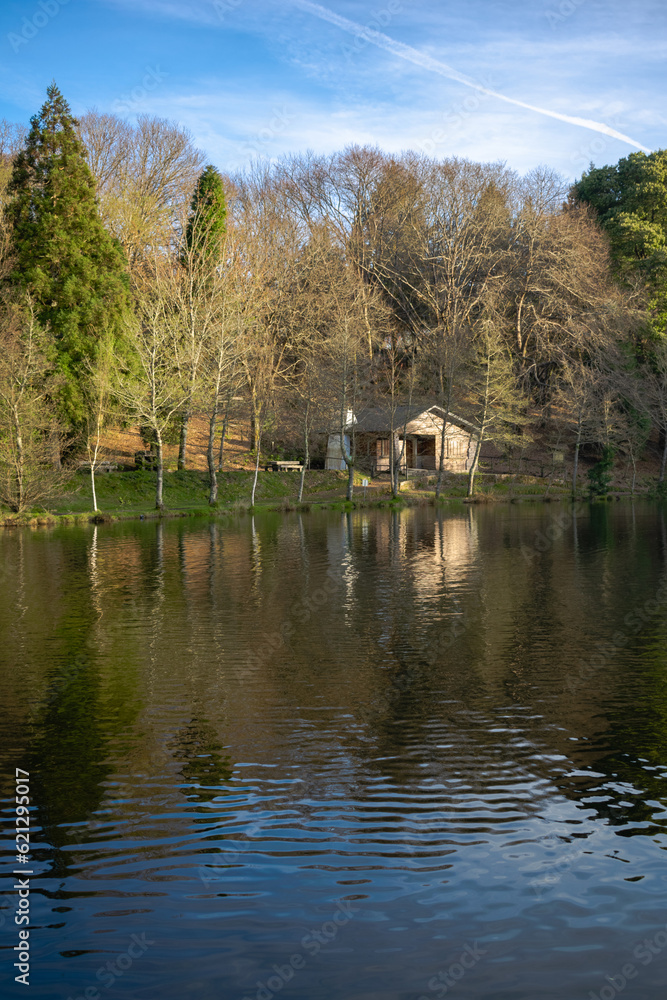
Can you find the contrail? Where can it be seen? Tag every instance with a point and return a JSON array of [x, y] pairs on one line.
[[436, 66]]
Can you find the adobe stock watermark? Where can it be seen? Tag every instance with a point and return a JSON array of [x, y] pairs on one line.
[[311, 943], [302, 611], [380, 20], [151, 79], [30, 26], [401, 683], [551, 874], [445, 981], [457, 115], [208, 873], [634, 622], [113, 970], [584, 155], [645, 951], [258, 143], [565, 9], [225, 7], [543, 540]]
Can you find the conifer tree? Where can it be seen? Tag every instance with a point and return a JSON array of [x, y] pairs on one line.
[[207, 222], [204, 241], [62, 254]]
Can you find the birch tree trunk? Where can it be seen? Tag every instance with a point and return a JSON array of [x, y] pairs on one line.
[[254, 482], [443, 445], [183, 438], [475, 462], [306, 456], [20, 460], [159, 504], [225, 424], [577, 446], [210, 455], [92, 486]]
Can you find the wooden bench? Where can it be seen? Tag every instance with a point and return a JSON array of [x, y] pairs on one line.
[[283, 467]]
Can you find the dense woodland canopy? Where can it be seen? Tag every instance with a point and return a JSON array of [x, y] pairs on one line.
[[139, 285]]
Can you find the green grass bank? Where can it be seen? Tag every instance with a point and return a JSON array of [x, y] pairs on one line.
[[131, 494]]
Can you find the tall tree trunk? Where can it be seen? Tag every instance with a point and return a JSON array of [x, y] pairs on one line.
[[475, 462], [348, 454], [443, 444], [306, 455], [20, 463], [350, 482], [183, 438], [663, 461], [575, 467], [93, 461], [92, 485], [398, 458], [210, 455], [160, 471], [254, 482], [441, 462], [258, 415], [443, 439], [482, 428], [225, 424]]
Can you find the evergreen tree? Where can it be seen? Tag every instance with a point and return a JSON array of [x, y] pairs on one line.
[[207, 222], [62, 254], [202, 251], [631, 201]]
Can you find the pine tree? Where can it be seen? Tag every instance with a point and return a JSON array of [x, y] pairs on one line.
[[207, 222], [202, 250], [62, 254]]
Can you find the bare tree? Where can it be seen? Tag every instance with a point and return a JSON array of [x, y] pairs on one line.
[[149, 385], [346, 366], [653, 375], [145, 176], [223, 353], [270, 241], [28, 426], [99, 404], [443, 361], [492, 389]]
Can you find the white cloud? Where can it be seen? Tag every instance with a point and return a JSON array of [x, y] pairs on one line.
[[489, 89]]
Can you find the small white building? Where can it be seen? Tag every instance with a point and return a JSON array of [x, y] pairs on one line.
[[417, 435]]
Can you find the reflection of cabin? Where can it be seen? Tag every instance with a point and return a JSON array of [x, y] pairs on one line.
[[417, 438]]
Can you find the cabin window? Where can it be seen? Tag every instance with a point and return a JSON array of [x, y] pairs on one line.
[[383, 448]]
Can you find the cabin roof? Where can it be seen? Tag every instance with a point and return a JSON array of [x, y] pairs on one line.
[[378, 420]]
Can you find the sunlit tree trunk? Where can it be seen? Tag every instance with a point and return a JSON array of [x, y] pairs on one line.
[[159, 503], [210, 455]]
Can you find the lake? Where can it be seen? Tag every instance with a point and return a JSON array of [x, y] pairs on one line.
[[330, 756]]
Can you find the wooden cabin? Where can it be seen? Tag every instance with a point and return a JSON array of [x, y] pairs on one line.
[[417, 435]]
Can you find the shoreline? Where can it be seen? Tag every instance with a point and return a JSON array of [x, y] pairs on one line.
[[52, 519]]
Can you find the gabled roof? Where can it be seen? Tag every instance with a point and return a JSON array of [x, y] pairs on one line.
[[378, 420], [453, 418]]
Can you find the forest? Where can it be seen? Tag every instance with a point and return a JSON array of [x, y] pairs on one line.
[[141, 286]]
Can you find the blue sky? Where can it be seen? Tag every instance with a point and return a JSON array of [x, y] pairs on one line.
[[268, 77]]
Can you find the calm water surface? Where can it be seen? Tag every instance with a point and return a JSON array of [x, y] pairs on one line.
[[340, 757]]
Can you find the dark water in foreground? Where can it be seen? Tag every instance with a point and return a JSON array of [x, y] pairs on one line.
[[340, 757]]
